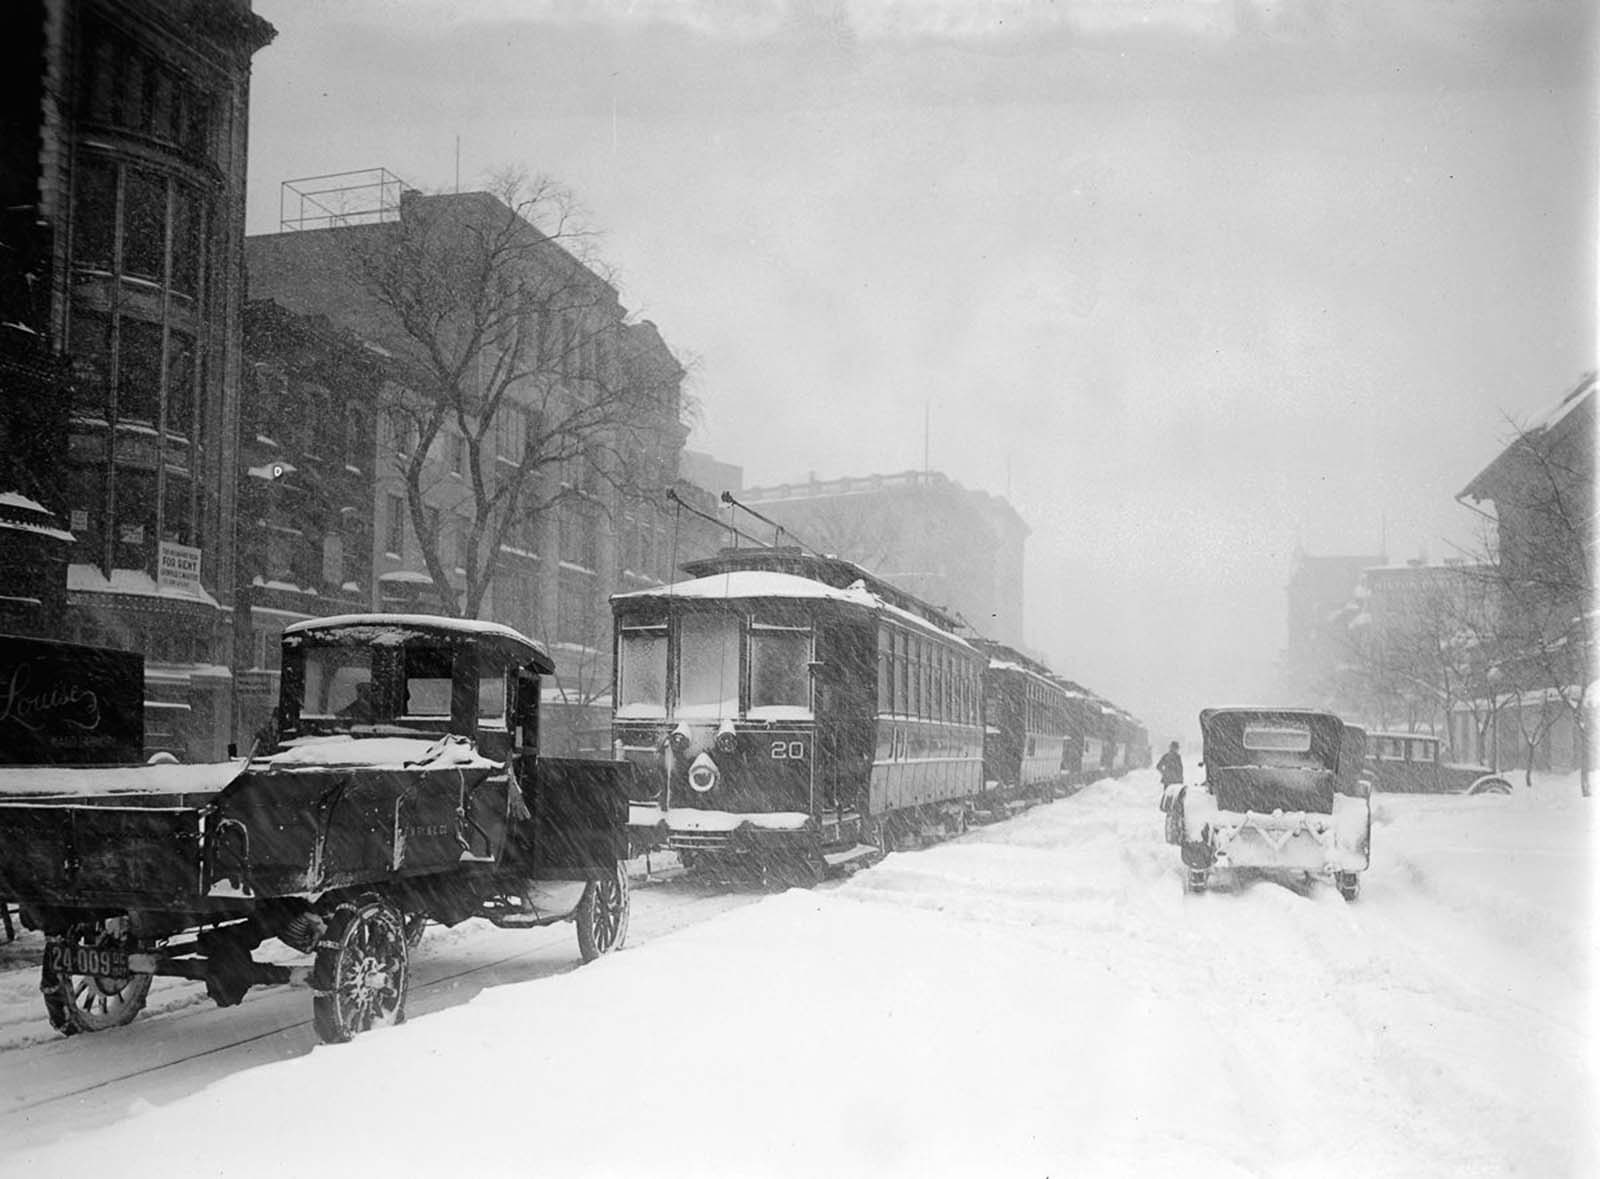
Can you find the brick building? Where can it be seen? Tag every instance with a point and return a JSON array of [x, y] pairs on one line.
[[585, 533], [307, 451], [124, 181]]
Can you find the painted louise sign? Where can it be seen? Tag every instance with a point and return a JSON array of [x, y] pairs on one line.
[[65, 704]]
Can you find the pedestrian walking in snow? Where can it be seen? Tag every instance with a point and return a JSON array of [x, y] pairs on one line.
[[1171, 766]]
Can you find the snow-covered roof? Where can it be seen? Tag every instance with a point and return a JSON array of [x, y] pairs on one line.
[[748, 584], [421, 622], [743, 583]]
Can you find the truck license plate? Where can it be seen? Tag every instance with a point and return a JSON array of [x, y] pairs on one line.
[[69, 959]]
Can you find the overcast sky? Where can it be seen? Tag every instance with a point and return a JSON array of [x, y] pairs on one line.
[[1192, 283]]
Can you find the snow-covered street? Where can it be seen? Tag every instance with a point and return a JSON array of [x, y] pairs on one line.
[[1036, 998]]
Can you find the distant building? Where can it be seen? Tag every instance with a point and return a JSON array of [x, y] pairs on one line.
[[1320, 595], [716, 477], [120, 290], [958, 549]]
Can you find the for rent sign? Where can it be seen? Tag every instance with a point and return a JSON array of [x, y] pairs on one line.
[[179, 567]]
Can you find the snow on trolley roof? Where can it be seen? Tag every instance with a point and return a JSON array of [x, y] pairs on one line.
[[747, 584]]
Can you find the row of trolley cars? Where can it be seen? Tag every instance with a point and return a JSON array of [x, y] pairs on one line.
[[785, 713], [776, 715]]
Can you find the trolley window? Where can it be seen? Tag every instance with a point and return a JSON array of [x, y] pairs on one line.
[[708, 665], [902, 675], [642, 675], [780, 671], [885, 671]]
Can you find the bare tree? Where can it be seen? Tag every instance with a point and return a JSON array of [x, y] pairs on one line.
[[522, 385], [1435, 653], [1542, 562]]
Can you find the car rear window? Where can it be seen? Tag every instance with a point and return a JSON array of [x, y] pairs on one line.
[[1278, 738]]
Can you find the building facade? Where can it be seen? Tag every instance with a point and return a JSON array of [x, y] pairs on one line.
[[125, 152], [959, 549], [307, 450], [1540, 496], [1423, 635], [594, 518], [1317, 650]]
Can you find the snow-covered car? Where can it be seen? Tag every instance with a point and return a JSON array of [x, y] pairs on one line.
[[1409, 763], [1284, 789]]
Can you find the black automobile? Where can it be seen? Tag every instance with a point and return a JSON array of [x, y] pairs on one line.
[[1410, 763]]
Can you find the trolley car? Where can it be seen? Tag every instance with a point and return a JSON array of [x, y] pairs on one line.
[[788, 712], [1026, 726]]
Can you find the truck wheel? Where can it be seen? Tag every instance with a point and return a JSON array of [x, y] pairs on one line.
[[89, 1002], [602, 914], [1349, 885], [1490, 784], [362, 969]]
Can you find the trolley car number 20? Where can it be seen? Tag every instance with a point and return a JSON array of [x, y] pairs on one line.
[[788, 750]]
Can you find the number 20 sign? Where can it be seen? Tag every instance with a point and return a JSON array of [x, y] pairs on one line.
[[788, 750]]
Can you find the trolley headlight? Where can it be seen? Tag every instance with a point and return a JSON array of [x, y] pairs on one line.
[[703, 774], [726, 738], [680, 739]]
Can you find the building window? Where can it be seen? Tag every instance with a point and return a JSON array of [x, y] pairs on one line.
[[127, 89], [177, 510], [394, 535], [402, 432], [355, 438], [137, 241]]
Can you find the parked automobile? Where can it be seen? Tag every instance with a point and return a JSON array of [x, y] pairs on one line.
[[1409, 763], [1283, 791]]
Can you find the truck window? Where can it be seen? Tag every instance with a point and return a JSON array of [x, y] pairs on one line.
[[491, 698], [332, 676], [427, 684]]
